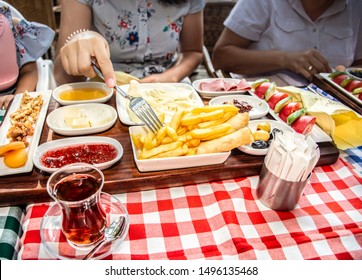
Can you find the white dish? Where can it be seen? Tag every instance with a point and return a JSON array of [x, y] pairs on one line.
[[260, 107], [56, 144], [248, 149], [33, 140], [159, 164], [100, 116], [345, 92], [96, 85], [317, 134], [351, 71], [122, 103], [211, 94]]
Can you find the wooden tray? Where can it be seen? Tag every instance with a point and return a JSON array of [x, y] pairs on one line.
[[125, 177]]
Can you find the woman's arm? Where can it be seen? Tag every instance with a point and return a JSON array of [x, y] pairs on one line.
[[73, 59], [28, 78], [231, 54], [190, 51]]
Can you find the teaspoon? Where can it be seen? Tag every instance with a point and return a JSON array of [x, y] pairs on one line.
[[111, 233]]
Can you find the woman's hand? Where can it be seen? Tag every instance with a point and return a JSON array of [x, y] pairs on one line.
[[5, 100], [76, 56], [306, 63]]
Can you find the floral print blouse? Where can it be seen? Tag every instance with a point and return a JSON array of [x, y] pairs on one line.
[[143, 35], [32, 39]]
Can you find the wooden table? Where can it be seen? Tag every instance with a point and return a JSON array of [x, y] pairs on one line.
[[125, 177]]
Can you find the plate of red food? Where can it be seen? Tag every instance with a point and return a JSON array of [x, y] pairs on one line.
[[284, 108], [348, 82], [213, 87], [100, 151]]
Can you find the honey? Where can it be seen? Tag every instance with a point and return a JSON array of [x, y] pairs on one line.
[[82, 94]]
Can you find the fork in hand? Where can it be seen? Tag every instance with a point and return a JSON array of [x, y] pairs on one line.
[[137, 104]]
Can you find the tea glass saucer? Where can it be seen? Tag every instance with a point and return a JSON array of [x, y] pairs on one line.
[[56, 244]]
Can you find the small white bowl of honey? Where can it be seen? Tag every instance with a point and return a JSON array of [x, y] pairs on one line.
[[83, 92]]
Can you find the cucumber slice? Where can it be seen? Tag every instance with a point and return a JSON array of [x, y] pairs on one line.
[[336, 73], [294, 116], [357, 90], [270, 91], [346, 81], [258, 83], [279, 106]]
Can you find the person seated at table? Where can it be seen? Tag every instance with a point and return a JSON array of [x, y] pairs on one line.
[[156, 41], [21, 44], [292, 39]]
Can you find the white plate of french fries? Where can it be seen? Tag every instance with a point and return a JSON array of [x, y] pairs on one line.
[[164, 99], [197, 137], [259, 107], [17, 109], [172, 162]]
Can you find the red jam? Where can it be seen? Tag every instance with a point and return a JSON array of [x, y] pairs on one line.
[[89, 153]]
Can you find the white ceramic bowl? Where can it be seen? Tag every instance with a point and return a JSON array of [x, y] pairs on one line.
[[100, 116], [95, 85], [260, 107], [158, 164], [352, 72], [211, 94], [248, 149], [66, 142]]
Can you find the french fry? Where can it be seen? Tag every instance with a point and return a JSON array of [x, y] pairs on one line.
[[171, 133], [207, 109], [148, 143], [161, 134], [224, 118], [137, 141], [181, 130], [209, 131], [190, 119], [193, 143], [184, 138], [174, 153], [145, 154], [176, 119], [166, 140]]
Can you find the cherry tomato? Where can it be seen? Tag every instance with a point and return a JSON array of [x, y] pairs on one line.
[[353, 85], [289, 109], [261, 90], [304, 124], [340, 78], [360, 96], [276, 98]]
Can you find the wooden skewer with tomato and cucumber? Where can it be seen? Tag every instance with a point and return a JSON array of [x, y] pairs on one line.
[[290, 111], [347, 82]]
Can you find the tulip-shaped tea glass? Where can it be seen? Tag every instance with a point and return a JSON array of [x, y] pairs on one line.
[[77, 188]]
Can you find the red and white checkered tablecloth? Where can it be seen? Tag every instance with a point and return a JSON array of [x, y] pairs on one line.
[[225, 220]]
